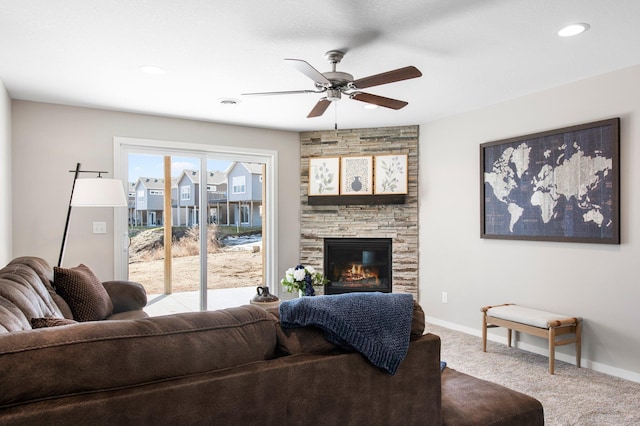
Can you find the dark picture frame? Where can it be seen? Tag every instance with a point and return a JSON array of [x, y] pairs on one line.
[[559, 185]]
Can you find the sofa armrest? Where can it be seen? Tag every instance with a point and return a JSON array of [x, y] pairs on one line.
[[126, 295]]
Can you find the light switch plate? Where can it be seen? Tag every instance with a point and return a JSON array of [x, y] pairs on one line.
[[99, 227]]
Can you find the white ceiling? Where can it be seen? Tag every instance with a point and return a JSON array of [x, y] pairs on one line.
[[471, 54]]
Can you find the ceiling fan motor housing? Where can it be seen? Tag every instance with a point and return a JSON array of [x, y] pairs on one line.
[[338, 78], [333, 94]]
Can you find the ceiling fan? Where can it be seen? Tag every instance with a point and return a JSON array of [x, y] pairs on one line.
[[335, 83]]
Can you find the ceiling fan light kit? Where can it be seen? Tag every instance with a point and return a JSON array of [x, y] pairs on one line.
[[335, 83]]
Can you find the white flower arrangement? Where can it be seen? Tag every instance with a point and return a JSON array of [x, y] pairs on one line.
[[303, 279]]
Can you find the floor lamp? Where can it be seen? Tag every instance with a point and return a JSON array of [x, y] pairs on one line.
[[96, 192]]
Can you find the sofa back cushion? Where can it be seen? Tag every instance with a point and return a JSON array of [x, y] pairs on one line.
[[93, 356], [26, 292]]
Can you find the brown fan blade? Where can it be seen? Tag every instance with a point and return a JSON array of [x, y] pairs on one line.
[[319, 108], [286, 92], [309, 71], [387, 77], [379, 100]]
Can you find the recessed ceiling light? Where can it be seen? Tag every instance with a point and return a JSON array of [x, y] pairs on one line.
[[573, 30], [152, 69], [370, 106]]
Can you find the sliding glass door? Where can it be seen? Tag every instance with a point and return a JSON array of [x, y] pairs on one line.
[[196, 228]]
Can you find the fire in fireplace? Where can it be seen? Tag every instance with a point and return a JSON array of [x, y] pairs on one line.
[[357, 264]]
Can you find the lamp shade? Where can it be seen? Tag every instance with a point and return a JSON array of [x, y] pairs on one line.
[[98, 192]]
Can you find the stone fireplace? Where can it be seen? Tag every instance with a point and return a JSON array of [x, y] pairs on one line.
[[357, 264], [340, 217]]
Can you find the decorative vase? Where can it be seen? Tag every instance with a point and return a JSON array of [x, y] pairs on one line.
[[356, 185], [264, 299], [307, 291], [263, 295]]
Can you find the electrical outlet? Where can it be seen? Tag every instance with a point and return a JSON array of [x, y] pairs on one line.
[[445, 298], [99, 227]]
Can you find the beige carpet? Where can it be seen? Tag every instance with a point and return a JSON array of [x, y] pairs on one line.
[[573, 396]]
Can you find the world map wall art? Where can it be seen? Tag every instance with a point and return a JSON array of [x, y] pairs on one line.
[[559, 185]]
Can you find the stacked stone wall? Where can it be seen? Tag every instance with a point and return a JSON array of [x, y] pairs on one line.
[[378, 220]]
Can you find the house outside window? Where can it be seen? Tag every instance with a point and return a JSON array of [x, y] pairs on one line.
[[155, 192], [185, 193], [239, 185]]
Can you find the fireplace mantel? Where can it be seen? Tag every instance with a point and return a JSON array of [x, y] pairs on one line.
[[353, 200]]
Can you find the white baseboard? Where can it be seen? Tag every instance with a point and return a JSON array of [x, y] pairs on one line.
[[586, 363]]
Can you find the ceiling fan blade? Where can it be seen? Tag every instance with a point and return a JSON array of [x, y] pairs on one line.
[[309, 71], [319, 108], [379, 100], [387, 77], [286, 92]]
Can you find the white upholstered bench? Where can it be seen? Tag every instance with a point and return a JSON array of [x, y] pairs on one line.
[[532, 321]]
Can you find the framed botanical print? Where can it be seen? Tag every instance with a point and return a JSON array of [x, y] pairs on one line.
[[391, 175], [356, 175], [324, 176]]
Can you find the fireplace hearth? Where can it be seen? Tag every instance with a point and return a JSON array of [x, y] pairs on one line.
[[357, 264]]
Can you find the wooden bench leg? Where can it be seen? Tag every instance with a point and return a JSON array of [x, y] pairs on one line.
[[578, 343], [552, 349], [484, 332], [509, 337]]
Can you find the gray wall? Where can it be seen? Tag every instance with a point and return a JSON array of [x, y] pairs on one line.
[[48, 141], [5, 175], [596, 281]]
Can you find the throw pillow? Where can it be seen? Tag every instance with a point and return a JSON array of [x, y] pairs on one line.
[[50, 322], [83, 292]]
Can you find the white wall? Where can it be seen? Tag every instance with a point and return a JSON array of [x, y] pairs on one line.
[[596, 281], [48, 141], [5, 176]]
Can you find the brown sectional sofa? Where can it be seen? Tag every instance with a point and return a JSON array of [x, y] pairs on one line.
[[230, 367]]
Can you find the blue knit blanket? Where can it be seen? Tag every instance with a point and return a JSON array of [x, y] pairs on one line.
[[378, 325]]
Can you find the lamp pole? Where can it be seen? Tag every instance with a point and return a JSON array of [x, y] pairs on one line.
[[66, 224]]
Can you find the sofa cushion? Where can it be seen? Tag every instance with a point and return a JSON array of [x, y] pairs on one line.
[[94, 356], [25, 293], [468, 400], [83, 292], [45, 274], [417, 321], [50, 322]]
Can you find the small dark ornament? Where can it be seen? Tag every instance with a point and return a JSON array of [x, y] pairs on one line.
[[264, 296]]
